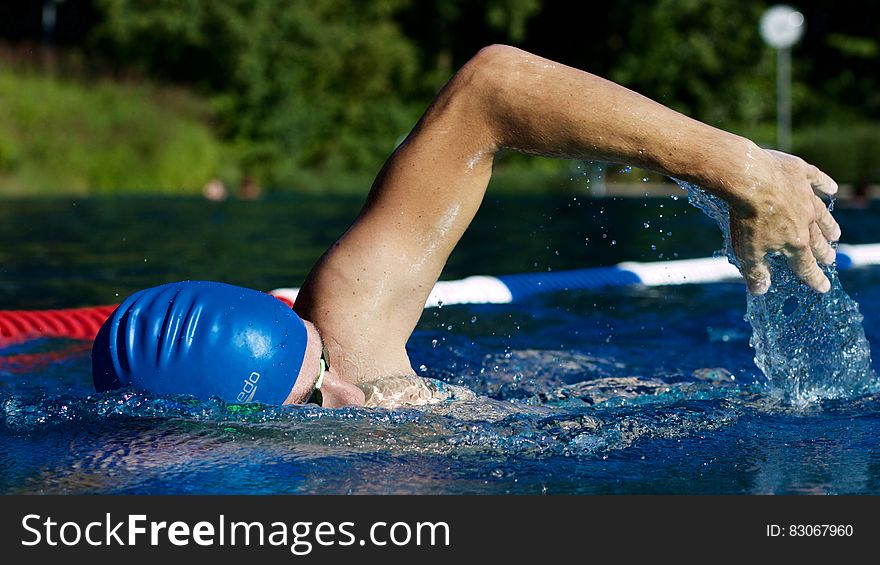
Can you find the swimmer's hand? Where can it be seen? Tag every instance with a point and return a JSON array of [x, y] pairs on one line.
[[775, 209], [410, 390]]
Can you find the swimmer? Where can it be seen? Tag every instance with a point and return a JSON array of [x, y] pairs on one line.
[[344, 342]]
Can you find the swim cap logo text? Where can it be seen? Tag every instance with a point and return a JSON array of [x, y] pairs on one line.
[[249, 389]]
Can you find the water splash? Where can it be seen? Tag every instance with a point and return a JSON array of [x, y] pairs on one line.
[[133, 429], [810, 346]]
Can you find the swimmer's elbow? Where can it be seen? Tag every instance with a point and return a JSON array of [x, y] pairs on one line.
[[497, 54], [478, 91], [490, 70]]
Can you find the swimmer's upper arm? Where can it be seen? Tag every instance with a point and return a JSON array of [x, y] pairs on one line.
[[376, 278]]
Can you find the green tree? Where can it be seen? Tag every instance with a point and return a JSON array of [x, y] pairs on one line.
[[303, 85], [705, 59], [294, 85], [448, 32]]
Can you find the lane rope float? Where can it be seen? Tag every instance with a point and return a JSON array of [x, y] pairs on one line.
[[506, 289], [18, 326]]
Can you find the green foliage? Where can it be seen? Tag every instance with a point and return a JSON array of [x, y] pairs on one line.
[[295, 85], [852, 46], [505, 17], [63, 137], [847, 152], [312, 95], [704, 59], [511, 16]]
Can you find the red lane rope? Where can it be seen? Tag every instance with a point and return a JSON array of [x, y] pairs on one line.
[[17, 326]]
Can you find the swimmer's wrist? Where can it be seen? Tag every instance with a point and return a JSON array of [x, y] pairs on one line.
[[728, 166], [743, 182]]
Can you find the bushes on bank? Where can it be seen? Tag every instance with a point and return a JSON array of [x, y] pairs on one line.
[[850, 153]]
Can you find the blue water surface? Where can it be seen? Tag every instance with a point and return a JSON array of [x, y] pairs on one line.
[[636, 390]]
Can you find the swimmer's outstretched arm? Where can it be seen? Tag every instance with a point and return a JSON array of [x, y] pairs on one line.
[[369, 289]]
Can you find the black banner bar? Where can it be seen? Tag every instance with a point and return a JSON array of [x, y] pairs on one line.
[[433, 529]]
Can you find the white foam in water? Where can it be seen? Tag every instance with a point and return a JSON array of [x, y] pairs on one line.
[[810, 346]]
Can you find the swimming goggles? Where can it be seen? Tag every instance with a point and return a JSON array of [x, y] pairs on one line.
[[315, 397]]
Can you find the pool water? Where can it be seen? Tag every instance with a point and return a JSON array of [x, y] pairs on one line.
[[636, 390]]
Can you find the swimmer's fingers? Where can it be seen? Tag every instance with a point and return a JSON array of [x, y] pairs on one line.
[[755, 271], [826, 222], [820, 181], [803, 264], [822, 250]]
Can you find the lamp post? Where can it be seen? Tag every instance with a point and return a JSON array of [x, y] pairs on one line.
[[781, 27], [49, 19]]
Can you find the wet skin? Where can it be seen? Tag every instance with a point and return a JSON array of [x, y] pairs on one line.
[[365, 295]]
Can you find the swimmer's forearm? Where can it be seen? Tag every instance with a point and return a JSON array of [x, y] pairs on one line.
[[542, 107], [537, 106]]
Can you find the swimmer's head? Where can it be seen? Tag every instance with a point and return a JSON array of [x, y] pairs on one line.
[[208, 339]]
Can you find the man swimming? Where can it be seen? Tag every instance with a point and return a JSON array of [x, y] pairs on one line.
[[346, 336]]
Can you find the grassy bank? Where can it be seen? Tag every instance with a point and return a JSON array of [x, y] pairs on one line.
[[65, 137], [68, 137]]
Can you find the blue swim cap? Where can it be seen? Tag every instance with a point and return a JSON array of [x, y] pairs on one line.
[[204, 339]]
